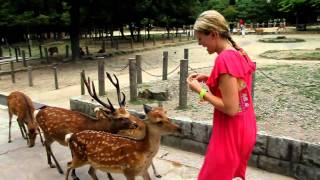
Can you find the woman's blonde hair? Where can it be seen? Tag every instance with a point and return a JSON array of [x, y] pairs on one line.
[[212, 20]]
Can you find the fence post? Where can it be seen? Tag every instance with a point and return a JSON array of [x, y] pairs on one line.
[[117, 44], [133, 79], [103, 46], [67, 51], [29, 49], [40, 50], [30, 76], [186, 54], [55, 76], [16, 53], [87, 50], [180, 37], [165, 66], [10, 53], [1, 52], [46, 54], [143, 42], [82, 74], [24, 58], [101, 77], [13, 76], [183, 87], [139, 70], [131, 43]]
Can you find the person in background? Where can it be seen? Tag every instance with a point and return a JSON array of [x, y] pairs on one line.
[[229, 92]]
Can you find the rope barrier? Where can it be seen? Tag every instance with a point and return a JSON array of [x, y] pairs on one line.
[[172, 71]]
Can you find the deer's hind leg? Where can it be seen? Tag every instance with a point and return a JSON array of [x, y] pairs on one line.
[[10, 122], [155, 171], [22, 128], [47, 144], [92, 172]]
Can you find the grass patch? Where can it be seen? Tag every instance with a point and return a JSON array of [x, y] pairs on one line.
[[295, 54]]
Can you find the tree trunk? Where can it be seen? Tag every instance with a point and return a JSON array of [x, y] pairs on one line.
[[75, 29]]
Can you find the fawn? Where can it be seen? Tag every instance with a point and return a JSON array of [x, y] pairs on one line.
[[57, 122], [21, 105], [112, 153]]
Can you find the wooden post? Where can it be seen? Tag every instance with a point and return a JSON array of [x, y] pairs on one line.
[[165, 66], [29, 49], [131, 43], [30, 76], [186, 54], [180, 37], [133, 79], [183, 87], [82, 82], [10, 53], [87, 50], [13, 76], [55, 76], [67, 51], [46, 54], [153, 40], [1, 52], [19, 51], [101, 77], [24, 58], [40, 50], [104, 46], [117, 44], [143, 42], [16, 53], [188, 35], [139, 70]]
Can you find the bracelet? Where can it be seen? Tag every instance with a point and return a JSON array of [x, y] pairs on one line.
[[202, 94]]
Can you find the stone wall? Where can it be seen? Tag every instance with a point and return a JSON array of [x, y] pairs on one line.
[[275, 154]]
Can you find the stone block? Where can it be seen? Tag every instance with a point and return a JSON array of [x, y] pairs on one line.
[[303, 172], [253, 161], [193, 146], [199, 132], [171, 141], [284, 149], [311, 154], [274, 165], [261, 144]]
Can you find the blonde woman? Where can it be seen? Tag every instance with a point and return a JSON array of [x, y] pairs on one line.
[[229, 91]]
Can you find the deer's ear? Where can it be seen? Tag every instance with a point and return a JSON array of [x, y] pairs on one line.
[[147, 108]]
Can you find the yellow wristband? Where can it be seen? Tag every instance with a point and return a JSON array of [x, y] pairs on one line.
[[202, 93]]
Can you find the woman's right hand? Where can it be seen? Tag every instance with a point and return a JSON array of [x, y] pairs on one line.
[[199, 77]]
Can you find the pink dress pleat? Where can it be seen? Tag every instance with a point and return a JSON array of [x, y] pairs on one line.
[[233, 138]]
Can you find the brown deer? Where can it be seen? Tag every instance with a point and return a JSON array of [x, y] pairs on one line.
[[21, 105], [57, 122], [112, 153]]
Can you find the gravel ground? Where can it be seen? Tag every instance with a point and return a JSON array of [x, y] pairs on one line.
[[284, 106]]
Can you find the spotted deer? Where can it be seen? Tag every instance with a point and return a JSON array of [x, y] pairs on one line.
[[57, 122], [21, 105], [115, 154]]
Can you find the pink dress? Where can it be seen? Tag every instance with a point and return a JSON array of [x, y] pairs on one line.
[[233, 138]]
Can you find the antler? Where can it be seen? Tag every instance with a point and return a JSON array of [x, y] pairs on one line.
[[94, 94], [116, 84]]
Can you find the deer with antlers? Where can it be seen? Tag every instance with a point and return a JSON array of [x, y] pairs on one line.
[[21, 105], [57, 122], [112, 153]]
